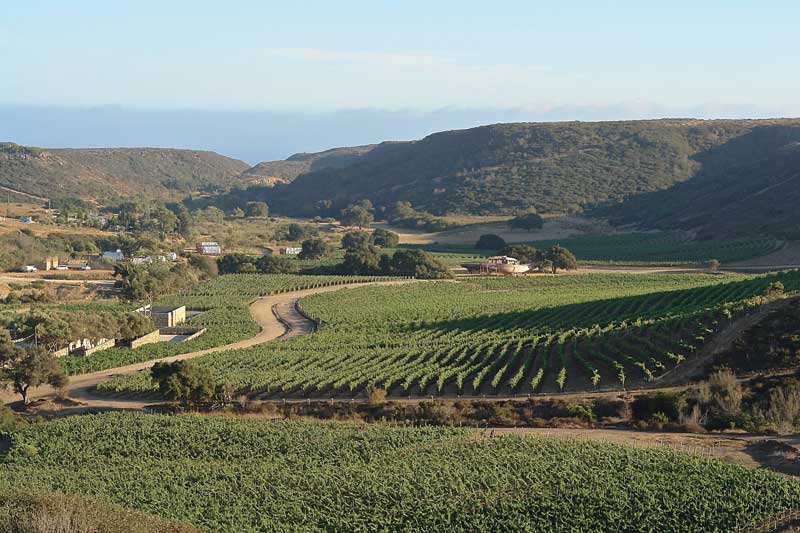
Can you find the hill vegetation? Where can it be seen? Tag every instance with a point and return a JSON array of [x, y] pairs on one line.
[[243, 476], [270, 172], [551, 167], [750, 185], [111, 174]]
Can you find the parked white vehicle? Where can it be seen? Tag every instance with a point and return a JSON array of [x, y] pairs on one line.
[[29, 268], [62, 267]]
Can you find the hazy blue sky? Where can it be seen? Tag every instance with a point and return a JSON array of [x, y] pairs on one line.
[[519, 60]]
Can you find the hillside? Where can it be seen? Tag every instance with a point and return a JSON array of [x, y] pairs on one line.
[[113, 173], [271, 172], [750, 185], [553, 167]]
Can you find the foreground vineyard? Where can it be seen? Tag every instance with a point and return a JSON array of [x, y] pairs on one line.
[[224, 304], [245, 476], [492, 336]]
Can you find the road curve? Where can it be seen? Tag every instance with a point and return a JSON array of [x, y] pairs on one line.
[[277, 316]]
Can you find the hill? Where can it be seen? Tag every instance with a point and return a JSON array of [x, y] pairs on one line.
[[750, 185], [285, 171], [108, 174], [552, 167]]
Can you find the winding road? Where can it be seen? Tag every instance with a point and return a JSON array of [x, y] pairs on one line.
[[277, 316]]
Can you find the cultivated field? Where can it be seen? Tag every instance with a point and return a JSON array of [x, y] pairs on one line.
[[494, 336], [247, 476]]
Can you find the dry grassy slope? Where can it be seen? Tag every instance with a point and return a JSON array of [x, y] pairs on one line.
[[114, 173]]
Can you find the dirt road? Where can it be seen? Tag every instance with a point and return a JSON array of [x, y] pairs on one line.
[[277, 316]]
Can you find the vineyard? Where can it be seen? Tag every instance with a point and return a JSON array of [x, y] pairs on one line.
[[494, 336], [662, 248], [240, 476], [224, 304]]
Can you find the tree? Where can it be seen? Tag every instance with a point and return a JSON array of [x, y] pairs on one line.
[[356, 239], [522, 252], [237, 212], [314, 249], [713, 265], [183, 382], [297, 232], [32, 367], [416, 263], [528, 222], [561, 258], [490, 242], [385, 238], [361, 261], [207, 266], [357, 215], [275, 264], [257, 209], [235, 263]]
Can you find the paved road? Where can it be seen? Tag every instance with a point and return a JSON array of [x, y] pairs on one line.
[[277, 317]]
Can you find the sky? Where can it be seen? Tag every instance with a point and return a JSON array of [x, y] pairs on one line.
[[316, 74]]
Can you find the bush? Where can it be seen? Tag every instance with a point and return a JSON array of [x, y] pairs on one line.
[[647, 406]]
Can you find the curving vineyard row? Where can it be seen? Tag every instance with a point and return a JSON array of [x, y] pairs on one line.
[[493, 336], [301, 476]]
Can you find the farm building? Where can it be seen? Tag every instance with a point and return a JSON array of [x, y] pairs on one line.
[[114, 256], [78, 264], [168, 316], [50, 263], [283, 250], [209, 248]]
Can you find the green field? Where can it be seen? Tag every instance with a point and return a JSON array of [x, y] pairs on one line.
[[245, 476], [225, 316], [491, 336], [659, 248]]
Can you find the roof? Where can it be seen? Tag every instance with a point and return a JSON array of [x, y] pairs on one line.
[[503, 259], [165, 308]]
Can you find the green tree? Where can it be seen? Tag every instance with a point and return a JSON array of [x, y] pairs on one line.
[[257, 209], [357, 215], [275, 264], [528, 222], [418, 264], [237, 212], [183, 382], [361, 261], [356, 239], [523, 252], [561, 258], [385, 238], [314, 249], [33, 367], [490, 242], [207, 266]]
